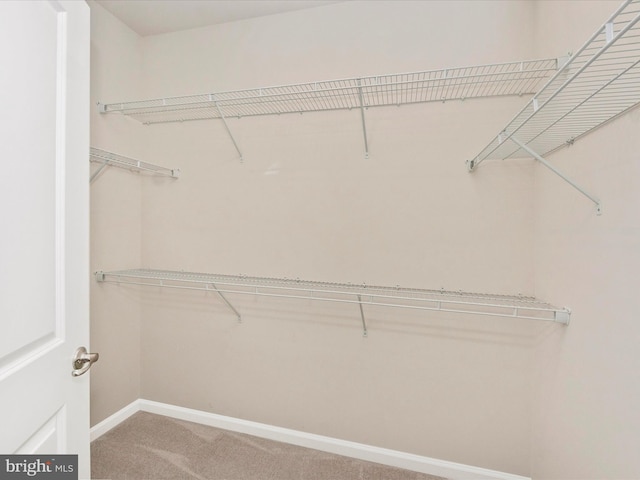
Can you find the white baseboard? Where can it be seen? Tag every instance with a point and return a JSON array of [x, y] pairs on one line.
[[114, 420], [394, 458]]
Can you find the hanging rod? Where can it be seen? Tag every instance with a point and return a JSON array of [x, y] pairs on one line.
[[520, 307], [600, 82], [514, 78], [113, 159]]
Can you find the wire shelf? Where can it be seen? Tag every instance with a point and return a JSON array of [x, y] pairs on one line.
[[113, 159], [515, 78], [521, 307], [598, 83]]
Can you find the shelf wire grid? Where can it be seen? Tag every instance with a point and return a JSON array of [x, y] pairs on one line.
[[600, 82], [108, 158], [504, 79], [522, 307]]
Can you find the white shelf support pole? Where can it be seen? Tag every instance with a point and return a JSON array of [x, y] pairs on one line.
[[559, 173], [226, 126], [224, 299], [364, 323], [364, 125]]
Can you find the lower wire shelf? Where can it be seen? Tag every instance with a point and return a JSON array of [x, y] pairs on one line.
[[113, 159], [513, 306]]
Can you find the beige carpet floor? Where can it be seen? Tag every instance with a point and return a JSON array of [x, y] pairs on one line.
[[147, 446]]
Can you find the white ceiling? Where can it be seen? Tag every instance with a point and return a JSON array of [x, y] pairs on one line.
[[151, 17]]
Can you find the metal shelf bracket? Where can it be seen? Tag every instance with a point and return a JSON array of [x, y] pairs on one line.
[[224, 299], [95, 174], [364, 125], [226, 126], [364, 322], [563, 316], [559, 173]]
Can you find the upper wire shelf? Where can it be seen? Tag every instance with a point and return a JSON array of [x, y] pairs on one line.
[[597, 84], [521, 307], [515, 78], [113, 159]]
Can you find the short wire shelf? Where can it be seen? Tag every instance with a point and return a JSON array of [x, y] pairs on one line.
[[514, 78], [597, 84], [518, 306], [105, 158]]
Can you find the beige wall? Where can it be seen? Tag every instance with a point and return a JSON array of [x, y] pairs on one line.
[[115, 219], [305, 203], [586, 419], [540, 400]]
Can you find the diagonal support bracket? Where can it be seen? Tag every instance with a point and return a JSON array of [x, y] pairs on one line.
[[224, 299], [226, 126], [559, 173], [364, 125], [98, 172], [364, 323]]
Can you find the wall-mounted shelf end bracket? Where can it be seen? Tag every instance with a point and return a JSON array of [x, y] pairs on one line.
[[562, 316], [471, 164]]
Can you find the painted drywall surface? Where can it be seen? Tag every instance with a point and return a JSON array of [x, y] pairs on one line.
[[307, 176], [306, 203], [355, 38], [115, 219], [586, 422], [586, 416]]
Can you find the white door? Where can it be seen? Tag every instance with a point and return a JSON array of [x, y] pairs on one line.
[[44, 205]]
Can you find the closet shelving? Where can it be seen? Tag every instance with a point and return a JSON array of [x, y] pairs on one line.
[[361, 93], [106, 159], [597, 84], [515, 78], [503, 79], [520, 307]]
